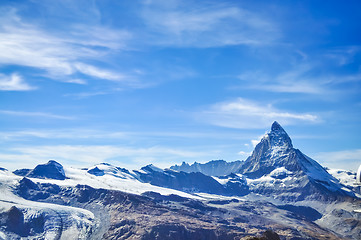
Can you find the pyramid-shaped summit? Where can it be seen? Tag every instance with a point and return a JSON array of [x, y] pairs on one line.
[[271, 152], [279, 137], [290, 172]]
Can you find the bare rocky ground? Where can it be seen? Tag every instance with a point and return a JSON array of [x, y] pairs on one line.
[[120, 215]]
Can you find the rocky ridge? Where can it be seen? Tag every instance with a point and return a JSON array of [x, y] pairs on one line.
[[277, 187]]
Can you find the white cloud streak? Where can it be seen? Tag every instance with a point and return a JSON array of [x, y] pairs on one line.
[[91, 134], [35, 114], [98, 73], [244, 114], [183, 24], [88, 155], [14, 82], [293, 81], [300, 79], [60, 54]]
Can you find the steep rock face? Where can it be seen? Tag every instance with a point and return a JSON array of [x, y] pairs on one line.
[[50, 170], [276, 168], [193, 181], [212, 168]]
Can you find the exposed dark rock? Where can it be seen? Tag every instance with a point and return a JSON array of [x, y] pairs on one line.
[[180, 232], [303, 212], [223, 202], [22, 172], [13, 221], [158, 197], [33, 191], [96, 171], [267, 235]]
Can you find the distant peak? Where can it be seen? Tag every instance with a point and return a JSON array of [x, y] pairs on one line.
[[276, 127], [152, 167]]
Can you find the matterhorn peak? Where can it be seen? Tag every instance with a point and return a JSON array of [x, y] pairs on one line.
[[276, 127], [278, 137]]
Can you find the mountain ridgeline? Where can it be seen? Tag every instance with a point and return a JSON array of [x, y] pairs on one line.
[[271, 189], [275, 168]]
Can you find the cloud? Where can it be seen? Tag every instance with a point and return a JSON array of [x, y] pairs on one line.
[[347, 159], [35, 114], [343, 55], [190, 24], [81, 155], [98, 73], [60, 54], [92, 134], [245, 114], [14, 82], [316, 77], [77, 81], [292, 81]]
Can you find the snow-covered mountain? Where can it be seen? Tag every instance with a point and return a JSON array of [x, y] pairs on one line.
[[276, 167], [212, 168], [50, 170], [277, 187], [193, 182]]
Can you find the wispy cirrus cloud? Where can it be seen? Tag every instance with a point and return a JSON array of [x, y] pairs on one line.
[[99, 73], [301, 79], [292, 81], [182, 23], [14, 82], [78, 155], [62, 54], [36, 114], [343, 55], [244, 114]]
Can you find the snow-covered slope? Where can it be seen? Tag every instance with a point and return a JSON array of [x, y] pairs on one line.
[[347, 178]]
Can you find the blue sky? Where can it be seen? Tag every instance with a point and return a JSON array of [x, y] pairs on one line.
[[139, 82]]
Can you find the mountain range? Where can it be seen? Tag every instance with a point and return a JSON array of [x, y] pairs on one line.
[[276, 193]]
